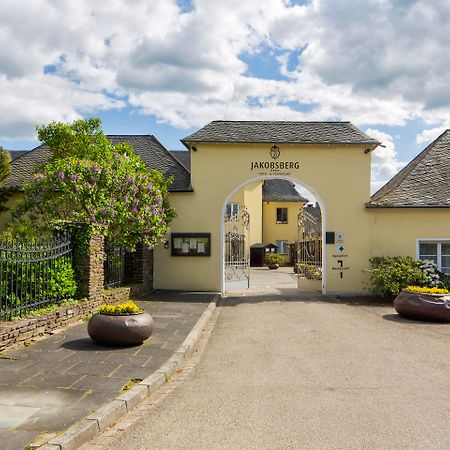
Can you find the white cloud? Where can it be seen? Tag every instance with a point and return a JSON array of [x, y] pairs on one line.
[[369, 61], [430, 134], [385, 163]]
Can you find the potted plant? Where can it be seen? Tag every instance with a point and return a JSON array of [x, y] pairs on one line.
[[123, 324], [424, 303], [273, 260]]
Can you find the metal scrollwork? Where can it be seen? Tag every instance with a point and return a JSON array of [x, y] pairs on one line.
[[237, 254]]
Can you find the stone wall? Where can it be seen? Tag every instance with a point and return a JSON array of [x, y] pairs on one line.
[[139, 270], [89, 271], [19, 331]]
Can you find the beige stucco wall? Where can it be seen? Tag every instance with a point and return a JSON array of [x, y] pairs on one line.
[[250, 196], [253, 203], [273, 231], [394, 232], [338, 175]]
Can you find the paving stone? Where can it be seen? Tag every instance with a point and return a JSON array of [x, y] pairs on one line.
[[39, 398], [156, 362], [10, 365], [71, 356], [53, 366], [88, 356], [46, 380], [92, 400], [129, 360], [130, 372], [12, 378], [93, 368], [14, 439], [37, 356], [98, 383]]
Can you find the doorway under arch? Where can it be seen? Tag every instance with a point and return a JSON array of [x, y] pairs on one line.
[[225, 235]]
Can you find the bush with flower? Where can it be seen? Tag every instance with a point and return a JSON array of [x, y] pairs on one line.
[[90, 180]]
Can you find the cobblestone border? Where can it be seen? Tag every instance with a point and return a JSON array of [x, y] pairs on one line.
[[106, 415]]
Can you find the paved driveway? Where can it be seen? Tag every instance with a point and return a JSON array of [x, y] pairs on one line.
[[307, 373]]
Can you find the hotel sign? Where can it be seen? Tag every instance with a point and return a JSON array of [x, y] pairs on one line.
[[274, 167]]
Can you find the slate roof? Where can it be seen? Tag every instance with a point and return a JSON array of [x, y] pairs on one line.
[[183, 157], [151, 151], [16, 153], [423, 183], [280, 132], [280, 191]]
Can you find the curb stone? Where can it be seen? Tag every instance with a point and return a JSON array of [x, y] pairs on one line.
[[106, 415]]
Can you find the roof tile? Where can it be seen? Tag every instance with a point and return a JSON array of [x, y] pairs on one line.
[[280, 132], [280, 191], [423, 183], [150, 150]]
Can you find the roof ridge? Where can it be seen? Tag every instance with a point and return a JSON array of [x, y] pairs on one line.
[[25, 154], [171, 156], [128, 135], [180, 151], [398, 179], [283, 121]]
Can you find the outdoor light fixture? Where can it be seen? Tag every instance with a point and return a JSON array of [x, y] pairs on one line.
[[194, 148], [166, 244]]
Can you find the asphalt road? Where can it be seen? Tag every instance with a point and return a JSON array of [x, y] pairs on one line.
[[290, 373]]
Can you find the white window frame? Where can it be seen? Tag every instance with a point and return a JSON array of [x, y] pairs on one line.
[[286, 247], [234, 208], [432, 241]]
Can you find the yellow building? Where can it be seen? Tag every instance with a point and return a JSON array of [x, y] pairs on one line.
[[274, 206], [227, 162]]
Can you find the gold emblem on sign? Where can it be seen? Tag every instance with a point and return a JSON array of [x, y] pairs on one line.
[[274, 152]]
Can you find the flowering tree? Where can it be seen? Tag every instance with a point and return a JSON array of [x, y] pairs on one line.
[[90, 180]]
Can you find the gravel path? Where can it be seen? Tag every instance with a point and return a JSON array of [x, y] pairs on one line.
[[307, 373]]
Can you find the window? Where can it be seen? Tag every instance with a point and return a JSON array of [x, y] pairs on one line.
[[282, 247], [282, 215], [232, 209], [439, 252]]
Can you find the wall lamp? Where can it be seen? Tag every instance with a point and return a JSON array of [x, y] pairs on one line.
[[368, 150]]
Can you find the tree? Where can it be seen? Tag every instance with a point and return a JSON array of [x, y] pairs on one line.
[[5, 170], [90, 180]]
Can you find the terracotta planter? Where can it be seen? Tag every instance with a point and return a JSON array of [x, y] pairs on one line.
[[419, 306], [123, 329]]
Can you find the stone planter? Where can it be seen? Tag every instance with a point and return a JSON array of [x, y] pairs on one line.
[[273, 266], [120, 329], [420, 306]]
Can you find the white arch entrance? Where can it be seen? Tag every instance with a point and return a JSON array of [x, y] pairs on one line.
[[331, 160], [262, 178]]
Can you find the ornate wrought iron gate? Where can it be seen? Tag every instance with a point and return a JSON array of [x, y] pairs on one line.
[[237, 250], [309, 246]]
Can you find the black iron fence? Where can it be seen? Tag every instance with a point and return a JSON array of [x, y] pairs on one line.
[[114, 265], [35, 274]]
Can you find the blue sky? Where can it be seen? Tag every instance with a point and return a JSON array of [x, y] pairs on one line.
[[168, 67]]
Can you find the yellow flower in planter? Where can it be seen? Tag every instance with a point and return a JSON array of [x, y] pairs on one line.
[[123, 308], [427, 290]]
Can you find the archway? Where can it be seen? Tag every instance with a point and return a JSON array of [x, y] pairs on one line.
[[225, 234]]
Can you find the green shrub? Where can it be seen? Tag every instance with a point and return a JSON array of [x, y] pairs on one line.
[[390, 274], [273, 258], [29, 282]]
